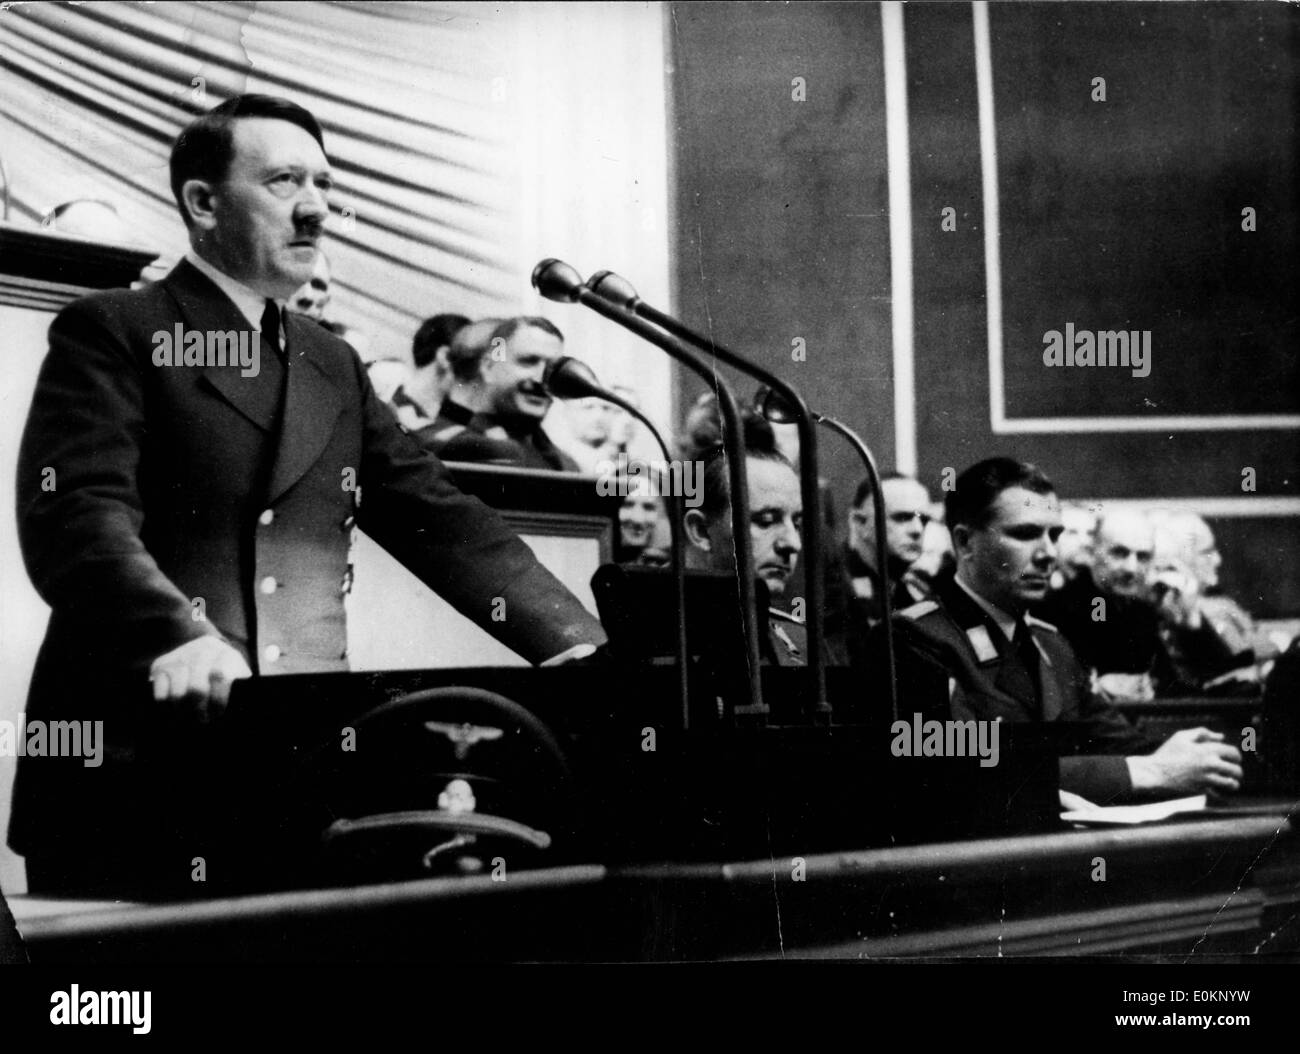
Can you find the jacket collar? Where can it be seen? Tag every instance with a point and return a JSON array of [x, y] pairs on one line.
[[312, 402]]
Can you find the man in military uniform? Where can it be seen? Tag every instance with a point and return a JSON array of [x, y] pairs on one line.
[[973, 652], [187, 517], [775, 519]]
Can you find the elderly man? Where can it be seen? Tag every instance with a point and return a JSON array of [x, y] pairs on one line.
[[974, 652], [495, 408], [1204, 637], [187, 515], [1103, 610]]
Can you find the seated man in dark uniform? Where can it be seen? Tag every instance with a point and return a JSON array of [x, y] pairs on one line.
[[776, 519], [1104, 612], [972, 652], [494, 410], [907, 515]]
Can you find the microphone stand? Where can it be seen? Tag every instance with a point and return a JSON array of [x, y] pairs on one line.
[[557, 281], [616, 290], [572, 371], [882, 546]]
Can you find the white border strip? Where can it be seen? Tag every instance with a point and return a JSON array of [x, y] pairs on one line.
[[992, 223], [1222, 508], [900, 236], [998, 421]]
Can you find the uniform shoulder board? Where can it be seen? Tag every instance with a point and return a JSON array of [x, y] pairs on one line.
[[920, 610], [783, 616], [1031, 621]]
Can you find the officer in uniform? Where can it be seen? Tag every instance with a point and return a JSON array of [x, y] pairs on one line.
[[973, 652], [187, 517]]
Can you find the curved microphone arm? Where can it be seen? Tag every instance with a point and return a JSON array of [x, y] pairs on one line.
[[882, 546], [617, 290], [676, 515], [555, 280]]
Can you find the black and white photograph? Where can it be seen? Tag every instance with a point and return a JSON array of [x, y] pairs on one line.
[[651, 483]]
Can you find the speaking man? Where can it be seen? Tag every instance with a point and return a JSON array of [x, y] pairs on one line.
[[188, 522]]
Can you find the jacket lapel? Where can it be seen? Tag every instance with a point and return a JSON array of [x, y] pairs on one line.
[[976, 626], [206, 309], [312, 405], [312, 400]]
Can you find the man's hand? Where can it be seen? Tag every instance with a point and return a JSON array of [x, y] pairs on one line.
[[1178, 597], [1124, 687], [1194, 761], [202, 671]]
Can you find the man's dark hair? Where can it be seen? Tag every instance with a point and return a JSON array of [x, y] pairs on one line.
[[865, 489], [206, 146], [434, 333], [465, 357], [760, 443], [511, 326], [970, 502]]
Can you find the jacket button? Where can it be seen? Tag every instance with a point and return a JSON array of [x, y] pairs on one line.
[[267, 518], [268, 585], [271, 653]]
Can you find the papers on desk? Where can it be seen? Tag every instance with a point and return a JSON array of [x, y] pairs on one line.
[[1075, 809]]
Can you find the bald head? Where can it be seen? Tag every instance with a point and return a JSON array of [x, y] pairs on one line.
[[1122, 553], [1184, 539]]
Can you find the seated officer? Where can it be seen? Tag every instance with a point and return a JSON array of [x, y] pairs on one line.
[[973, 653], [775, 520], [907, 515]]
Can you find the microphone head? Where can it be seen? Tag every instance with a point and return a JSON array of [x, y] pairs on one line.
[[556, 280], [570, 378], [775, 407], [614, 288]]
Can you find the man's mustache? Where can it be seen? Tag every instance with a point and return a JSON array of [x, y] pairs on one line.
[[533, 388]]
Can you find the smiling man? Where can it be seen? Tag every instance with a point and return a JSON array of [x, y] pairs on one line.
[[190, 526], [495, 408], [974, 652]]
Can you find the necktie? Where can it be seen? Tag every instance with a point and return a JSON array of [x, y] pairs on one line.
[[1025, 651], [271, 328]]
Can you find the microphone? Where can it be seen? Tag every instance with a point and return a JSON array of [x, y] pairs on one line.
[[557, 281], [570, 378], [777, 410], [617, 291]]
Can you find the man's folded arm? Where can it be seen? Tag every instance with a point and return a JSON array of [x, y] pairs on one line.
[[461, 548], [79, 507]]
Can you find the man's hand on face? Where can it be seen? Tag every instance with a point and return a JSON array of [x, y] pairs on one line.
[[200, 671], [1178, 597], [1193, 761]]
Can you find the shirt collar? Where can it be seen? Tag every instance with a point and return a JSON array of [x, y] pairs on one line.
[[251, 303], [1006, 623]]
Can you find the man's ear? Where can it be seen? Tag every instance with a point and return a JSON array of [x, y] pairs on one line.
[[197, 194], [697, 529], [961, 538]]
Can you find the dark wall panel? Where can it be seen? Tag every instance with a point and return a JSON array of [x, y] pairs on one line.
[[782, 206]]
